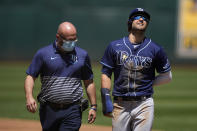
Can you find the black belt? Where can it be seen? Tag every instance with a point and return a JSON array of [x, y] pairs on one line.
[[61, 105], [131, 98]]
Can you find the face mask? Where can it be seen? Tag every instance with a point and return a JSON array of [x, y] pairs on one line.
[[68, 45]]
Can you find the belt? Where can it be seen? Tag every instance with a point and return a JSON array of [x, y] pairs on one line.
[[62, 105], [131, 98]]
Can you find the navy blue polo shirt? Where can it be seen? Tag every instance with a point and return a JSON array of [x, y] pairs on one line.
[[134, 66], [61, 73]]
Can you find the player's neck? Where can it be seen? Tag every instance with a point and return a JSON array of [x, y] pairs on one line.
[[136, 38]]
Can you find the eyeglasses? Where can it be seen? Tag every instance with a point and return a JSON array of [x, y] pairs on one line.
[[70, 41], [67, 41], [138, 17]]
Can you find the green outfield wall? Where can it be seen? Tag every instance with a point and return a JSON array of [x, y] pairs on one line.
[[27, 25]]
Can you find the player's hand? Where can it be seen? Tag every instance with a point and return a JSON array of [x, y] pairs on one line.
[[31, 105], [91, 116], [108, 115]]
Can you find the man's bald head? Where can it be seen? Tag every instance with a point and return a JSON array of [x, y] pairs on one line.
[[66, 28], [66, 31]]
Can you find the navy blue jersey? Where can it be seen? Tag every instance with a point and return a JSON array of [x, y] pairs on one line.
[[49, 62], [134, 66], [61, 74]]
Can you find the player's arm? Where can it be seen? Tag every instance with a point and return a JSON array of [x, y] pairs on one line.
[[163, 68], [91, 93], [107, 105], [30, 101], [162, 78]]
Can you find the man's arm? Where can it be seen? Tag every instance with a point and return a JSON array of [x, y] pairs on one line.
[[162, 78], [30, 101], [91, 93], [105, 94], [105, 81]]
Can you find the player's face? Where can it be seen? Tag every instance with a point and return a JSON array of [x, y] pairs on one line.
[[139, 23]]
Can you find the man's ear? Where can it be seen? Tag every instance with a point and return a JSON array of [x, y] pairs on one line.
[[57, 36]]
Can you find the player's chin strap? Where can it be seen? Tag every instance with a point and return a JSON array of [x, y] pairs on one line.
[[106, 101]]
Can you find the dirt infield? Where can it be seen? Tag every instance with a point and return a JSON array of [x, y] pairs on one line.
[[30, 125]]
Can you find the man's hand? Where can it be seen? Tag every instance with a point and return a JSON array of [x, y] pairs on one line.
[[30, 101], [91, 116], [31, 105]]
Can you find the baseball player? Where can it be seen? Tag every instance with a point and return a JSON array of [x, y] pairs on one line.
[[61, 66], [133, 60]]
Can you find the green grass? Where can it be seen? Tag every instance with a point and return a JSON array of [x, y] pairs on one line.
[[175, 103]]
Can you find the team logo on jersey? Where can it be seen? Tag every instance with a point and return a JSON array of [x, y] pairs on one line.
[[74, 59], [133, 62], [166, 65], [124, 57]]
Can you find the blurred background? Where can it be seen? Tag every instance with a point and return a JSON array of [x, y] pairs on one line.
[[27, 25]]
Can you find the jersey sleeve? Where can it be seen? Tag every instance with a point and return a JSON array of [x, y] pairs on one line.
[[87, 73], [162, 62], [109, 57], [36, 65], [107, 71]]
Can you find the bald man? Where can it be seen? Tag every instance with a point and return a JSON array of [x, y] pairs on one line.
[[61, 66]]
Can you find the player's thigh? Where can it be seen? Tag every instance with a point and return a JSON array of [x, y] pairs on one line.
[[121, 118], [144, 116]]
